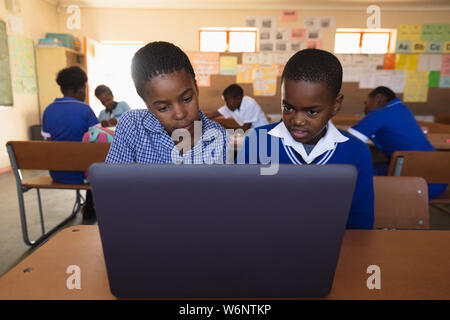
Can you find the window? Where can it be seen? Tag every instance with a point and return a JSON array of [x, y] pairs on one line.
[[111, 67], [363, 41], [228, 39]]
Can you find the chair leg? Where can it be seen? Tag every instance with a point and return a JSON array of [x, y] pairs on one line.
[[40, 210], [23, 219], [45, 235], [78, 202]]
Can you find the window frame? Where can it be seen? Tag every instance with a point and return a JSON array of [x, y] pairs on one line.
[[228, 31], [361, 32]]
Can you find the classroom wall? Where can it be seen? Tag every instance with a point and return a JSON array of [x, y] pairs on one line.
[[181, 26], [38, 17]]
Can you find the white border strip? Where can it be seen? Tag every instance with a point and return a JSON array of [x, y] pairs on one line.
[[358, 135]]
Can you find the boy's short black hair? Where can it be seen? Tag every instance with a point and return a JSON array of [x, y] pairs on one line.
[[385, 91], [314, 65], [233, 91], [102, 89], [71, 79], [157, 58]]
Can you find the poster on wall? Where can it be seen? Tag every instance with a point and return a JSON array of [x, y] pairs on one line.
[[203, 80], [251, 22], [327, 22], [314, 34], [265, 80], [244, 73], [6, 96], [23, 64], [311, 22], [205, 62], [266, 46], [298, 34], [314, 44], [282, 35], [268, 23], [416, 86], [289, 15], [228, 65], [445, 67]]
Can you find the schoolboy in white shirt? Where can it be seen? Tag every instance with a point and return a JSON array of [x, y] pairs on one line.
[[243, 109]]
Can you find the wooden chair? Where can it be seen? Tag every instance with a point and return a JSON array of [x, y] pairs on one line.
[[51, 155], [433, 166], [442, 118], [346, 119], [401, 203]]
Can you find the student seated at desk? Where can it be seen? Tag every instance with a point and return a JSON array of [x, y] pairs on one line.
[[172, 129], [113, 110], [310, 92], [67, 119], [392, 127], [243, 109]]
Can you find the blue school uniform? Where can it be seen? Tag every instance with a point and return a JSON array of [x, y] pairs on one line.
[[140, 138], [67, 119], [118, 110], [335, 147], [394, 128]]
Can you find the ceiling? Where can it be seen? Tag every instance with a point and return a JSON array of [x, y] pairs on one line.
[[259, 4]]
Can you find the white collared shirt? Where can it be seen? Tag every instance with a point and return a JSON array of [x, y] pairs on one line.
[[327, 143], [249, 112]]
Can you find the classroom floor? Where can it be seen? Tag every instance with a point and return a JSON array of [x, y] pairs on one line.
[[57, 204]]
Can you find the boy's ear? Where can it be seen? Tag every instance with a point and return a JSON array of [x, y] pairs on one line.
[[380, 100], [337, 104]]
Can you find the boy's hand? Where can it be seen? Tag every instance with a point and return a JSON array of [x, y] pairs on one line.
[[104, 123], [112, 122]]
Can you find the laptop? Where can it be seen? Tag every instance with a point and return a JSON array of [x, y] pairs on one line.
[[221, 231]]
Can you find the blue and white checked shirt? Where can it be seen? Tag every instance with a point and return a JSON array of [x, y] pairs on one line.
[[140, 137]]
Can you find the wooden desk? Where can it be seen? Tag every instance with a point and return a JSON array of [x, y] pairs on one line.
[[438, 140], [415, 264]]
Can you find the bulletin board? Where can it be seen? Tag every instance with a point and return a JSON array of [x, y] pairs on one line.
[[6, 94], [438, 100]]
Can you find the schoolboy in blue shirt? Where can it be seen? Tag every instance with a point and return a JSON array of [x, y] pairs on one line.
[[392, 127], [67, 119], [113, 109], [310, 91], [172, 129]]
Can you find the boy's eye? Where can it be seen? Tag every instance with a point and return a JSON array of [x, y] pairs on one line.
[[163, 108], [287, 108], [312, 112], [188, 99]]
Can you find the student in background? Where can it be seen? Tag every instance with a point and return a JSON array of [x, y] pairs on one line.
[[310, 92], [165, 80], [113, 110], [243, 109], [67, 119], [392, 127]]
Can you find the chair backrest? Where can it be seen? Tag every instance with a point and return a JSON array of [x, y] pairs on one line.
[[442, 118], [433, 166], [401, 203], [56, 155]]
